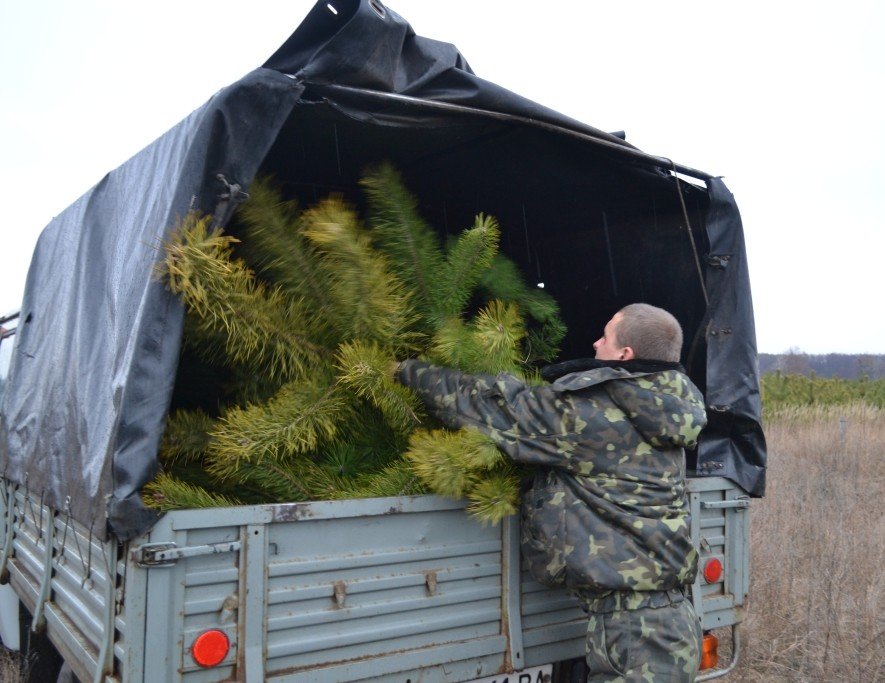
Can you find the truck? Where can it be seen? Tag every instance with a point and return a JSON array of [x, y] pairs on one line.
[[404, 589]]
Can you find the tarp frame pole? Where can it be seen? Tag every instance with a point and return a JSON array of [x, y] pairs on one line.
[[658, 162]]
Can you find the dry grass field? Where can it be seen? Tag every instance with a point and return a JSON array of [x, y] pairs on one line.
[[817, 594], [11, 667]]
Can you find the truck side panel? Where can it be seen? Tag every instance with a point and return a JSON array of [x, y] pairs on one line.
[[385, 589], [346, 591], [64, 577], [720, 531]]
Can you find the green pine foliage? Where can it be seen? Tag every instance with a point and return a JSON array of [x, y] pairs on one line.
[[275, 247], [297, 420], [413, 248], [499, 329], [262, 329], [395, 479], [488, 344], [167, 492], [503, 281], [787, 390], [186, 439], [469, 256], [370, 303], [307, 330], [494, 497], [365, 369]]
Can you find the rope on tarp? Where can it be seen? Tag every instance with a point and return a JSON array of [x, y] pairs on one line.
[[694, 248]]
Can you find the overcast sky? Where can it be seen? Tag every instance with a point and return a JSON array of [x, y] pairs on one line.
[[783, 99]]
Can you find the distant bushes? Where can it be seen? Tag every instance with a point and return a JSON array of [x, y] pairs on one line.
[[785, 390]]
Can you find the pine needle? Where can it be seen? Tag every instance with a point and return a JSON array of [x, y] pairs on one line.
[[455, 345], [296, 479], [468, 259], [436, 459], [274, 244], [300, 418], [372, 304], [261, 327], [364, 368], [503, 281], [542, 343], [489, 344], [366, 442], [499, 330], [494, 497], [396, 479], [412, 247], [186, 437], [167, 492], [477, 451]]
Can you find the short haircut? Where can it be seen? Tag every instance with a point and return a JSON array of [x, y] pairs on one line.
[[652, 333]]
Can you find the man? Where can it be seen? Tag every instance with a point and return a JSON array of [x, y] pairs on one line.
[[606, 515]]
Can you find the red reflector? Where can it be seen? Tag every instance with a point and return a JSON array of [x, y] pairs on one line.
[[210, 648], [712, 570], [709, 651]]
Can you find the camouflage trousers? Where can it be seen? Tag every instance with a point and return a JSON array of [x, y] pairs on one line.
[[650, 637]]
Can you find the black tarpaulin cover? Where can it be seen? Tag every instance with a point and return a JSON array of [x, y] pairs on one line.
[[99, 336]]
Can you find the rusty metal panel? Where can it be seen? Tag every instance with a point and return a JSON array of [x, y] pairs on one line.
[[355, 591]]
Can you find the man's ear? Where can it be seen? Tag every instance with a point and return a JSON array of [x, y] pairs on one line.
[[627, 353]]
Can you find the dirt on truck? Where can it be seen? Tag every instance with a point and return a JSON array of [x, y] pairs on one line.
[[393, 589]]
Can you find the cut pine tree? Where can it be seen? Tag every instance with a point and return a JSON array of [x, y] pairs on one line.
[[306, 316]]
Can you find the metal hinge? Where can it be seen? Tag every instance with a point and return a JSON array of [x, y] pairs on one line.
[[718, 260], [167, 554], [739, 503]]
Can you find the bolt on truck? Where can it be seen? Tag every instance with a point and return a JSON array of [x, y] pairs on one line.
[[392, 589]]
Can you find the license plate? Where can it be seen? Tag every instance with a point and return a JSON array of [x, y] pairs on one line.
[[536, 674]]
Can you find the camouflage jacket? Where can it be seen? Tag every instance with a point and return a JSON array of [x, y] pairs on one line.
[[607, 509]]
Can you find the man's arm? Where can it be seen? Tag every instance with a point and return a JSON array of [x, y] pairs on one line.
[[517, 417]]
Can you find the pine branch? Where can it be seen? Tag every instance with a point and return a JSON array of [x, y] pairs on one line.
[[186, 437], [503, 281], [274, 244], [468, 259], [296, 479], [494, 497], [456, 345], [364, 369], [433, 456], [397, 479], [262, 328], [489, 344], [450, 463], [166, 492], [499, 330], [298, 420], [477, 451], [465, 463], [412, 247], [542, 343], [373, 305]]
